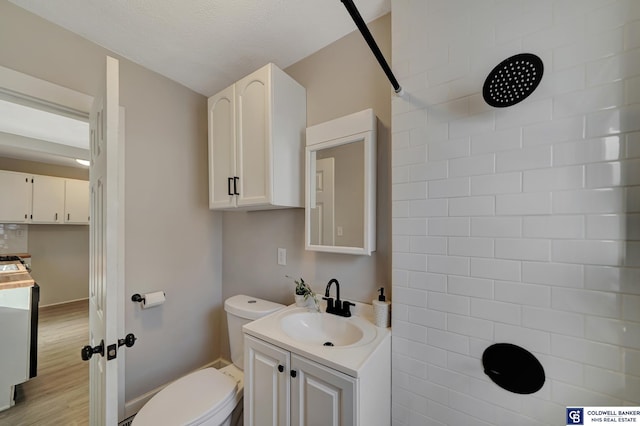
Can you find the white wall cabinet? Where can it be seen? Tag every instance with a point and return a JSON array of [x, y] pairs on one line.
[[42, 199], [256, 142], [48, 199], [76, 201], [283, 388], [15, 197]]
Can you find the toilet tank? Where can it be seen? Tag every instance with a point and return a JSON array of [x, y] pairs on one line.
[[242, 310]]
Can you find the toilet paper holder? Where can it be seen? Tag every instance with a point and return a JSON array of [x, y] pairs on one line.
[[156, 298], [137, 298]]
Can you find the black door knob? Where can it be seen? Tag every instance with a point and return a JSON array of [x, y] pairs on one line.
[[281, 368], [128, 341], [294, 373], [87, 352]]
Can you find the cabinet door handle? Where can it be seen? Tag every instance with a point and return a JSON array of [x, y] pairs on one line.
[[68, 216], [235, 185], [281, 368], [229, 186], [294, 373], [56, 218]]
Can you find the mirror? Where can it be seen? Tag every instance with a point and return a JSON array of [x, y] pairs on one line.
[[340, 185]]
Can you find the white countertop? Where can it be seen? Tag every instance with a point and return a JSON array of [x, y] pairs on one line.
[[347, 359]]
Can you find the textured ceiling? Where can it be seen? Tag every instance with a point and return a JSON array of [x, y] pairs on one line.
[[207, 44]]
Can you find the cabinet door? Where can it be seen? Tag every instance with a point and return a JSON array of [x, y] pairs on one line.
[[222, 156], [253, 120], [76, 201], [15, 197], [266, 384], [321, 396], [48, 199]]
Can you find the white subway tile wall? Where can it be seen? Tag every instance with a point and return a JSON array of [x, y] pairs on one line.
[[518, 224]]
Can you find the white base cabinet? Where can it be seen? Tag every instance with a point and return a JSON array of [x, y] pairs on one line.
[[283, 388], [15, 350], [321, 396]]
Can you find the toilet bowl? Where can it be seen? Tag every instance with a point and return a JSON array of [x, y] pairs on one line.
[[209, 397]]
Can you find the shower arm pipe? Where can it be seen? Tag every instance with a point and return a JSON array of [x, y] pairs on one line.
[[362, 26]]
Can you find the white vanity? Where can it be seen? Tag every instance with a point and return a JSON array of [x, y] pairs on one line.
[[304, 367]]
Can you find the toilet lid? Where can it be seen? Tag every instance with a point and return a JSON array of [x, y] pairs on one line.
[[192, 398]]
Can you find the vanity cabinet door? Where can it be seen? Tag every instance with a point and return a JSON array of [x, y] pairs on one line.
[[15, 197], [321, 396], [267, 386], [48, 199]]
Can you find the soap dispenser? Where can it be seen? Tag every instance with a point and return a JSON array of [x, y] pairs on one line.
[[381, 310]]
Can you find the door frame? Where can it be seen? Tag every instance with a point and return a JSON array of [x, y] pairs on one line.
[[53, 97]]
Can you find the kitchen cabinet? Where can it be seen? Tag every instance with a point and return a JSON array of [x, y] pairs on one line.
[[256, 141], [48, 199], [15, 193], [76, 201], [283, 388], [42, 199]]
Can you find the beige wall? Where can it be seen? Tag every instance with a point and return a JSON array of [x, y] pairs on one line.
[[340, 79], [60, 261], [59, 253], [172, 240]]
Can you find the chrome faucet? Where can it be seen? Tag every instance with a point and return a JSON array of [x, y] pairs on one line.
[[337, 307]]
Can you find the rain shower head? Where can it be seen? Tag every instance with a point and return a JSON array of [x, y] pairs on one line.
[[512, 80]]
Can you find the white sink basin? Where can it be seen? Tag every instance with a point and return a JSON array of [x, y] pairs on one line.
[[320, 328], [304, 332]]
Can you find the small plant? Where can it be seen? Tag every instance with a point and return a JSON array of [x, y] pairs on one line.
[[303, 289]]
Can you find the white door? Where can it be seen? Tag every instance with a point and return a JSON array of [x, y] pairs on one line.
[[223, 181], [323, 213], [76, 201], [106, 260], [17, 188], [253, 138], [48, 199], [321, 396]]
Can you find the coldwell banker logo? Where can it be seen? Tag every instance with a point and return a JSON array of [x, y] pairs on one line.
[[575, 416]]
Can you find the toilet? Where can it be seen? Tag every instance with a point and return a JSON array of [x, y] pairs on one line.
[[209, 397]]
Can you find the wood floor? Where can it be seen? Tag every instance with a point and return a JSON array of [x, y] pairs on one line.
[[59, 395]]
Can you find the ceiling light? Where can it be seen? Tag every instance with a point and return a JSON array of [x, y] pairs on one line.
[[83, 162]]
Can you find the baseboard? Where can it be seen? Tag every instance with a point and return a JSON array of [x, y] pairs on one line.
[[63, 303], [132, 406]]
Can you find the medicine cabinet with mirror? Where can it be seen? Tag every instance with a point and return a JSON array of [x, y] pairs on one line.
[[340, 201]]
